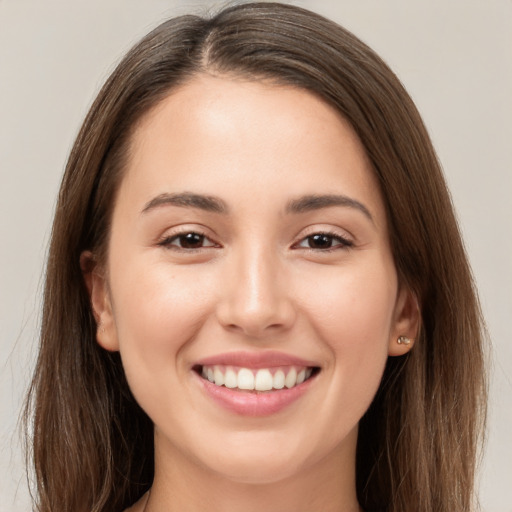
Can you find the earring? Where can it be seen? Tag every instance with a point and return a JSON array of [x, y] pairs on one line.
[[403, 340]]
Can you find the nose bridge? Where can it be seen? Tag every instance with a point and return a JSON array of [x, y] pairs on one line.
[[257, 299]]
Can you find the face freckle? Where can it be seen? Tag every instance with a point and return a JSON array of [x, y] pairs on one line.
[[249, 233]]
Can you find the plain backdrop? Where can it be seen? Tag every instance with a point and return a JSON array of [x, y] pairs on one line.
[[455, 59]]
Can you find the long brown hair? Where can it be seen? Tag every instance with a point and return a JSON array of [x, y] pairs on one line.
[[92, 444]]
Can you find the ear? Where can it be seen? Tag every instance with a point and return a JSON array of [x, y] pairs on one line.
[[406, 322], [101, 304]]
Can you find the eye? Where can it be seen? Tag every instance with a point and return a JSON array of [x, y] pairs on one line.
[[324, 241], [190, 240]]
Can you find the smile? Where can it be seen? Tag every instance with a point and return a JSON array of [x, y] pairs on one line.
[[258, 383], [261, 379]]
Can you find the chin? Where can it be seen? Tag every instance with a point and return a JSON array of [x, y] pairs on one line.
[[258, 472], [264, 458]]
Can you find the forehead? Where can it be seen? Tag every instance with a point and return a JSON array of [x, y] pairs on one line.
[[236, 106], [229, 136]]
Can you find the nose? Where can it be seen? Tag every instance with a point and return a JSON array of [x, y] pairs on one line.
[[256, 298]]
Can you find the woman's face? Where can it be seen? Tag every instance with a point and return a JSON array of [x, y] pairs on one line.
[[249, 247]]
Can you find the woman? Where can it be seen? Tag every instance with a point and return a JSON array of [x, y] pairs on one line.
[[257, 296]]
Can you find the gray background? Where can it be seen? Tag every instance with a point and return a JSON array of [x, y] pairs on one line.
[[454, 57]]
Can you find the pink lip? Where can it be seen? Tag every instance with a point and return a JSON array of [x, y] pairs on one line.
[[260, 359], [250, 403]]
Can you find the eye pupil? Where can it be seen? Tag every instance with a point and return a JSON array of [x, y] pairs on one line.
[[191, 241], [320, 241]]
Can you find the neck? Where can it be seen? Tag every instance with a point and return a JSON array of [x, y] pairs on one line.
[[326, 486]]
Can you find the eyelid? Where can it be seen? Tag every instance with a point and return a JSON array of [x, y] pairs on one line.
[[172, 234], [346, 241], [342, 241]]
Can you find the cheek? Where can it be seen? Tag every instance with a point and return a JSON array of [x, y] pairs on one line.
[[158, 299], [353, 316], [157, 312], [352, 308]]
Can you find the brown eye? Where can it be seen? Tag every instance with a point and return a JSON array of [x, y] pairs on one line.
[[320, 241], [189, 241], [324, 241]]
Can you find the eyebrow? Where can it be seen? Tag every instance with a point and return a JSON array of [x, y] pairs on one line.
[[187, 200], [216, 205], [317, 202]]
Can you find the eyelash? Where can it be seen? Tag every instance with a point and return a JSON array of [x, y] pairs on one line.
[[167, 242], [342, 242]]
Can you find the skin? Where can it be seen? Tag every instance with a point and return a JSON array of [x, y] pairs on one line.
[[255, 285]]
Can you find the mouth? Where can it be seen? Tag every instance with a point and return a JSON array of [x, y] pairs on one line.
[[256, 380], [256, 383]]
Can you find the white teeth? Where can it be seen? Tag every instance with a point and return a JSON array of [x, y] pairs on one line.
[[245, 379], [279, 379], [259, 380], [263, 381], [291, 378], [230, 379], [219, 376]]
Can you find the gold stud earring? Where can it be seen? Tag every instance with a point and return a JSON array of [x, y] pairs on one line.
[[403, 340]]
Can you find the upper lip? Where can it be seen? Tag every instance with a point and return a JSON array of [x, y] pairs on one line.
[[256, 359]]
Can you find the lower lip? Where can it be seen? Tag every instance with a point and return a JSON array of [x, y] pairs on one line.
[[247, 403]]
